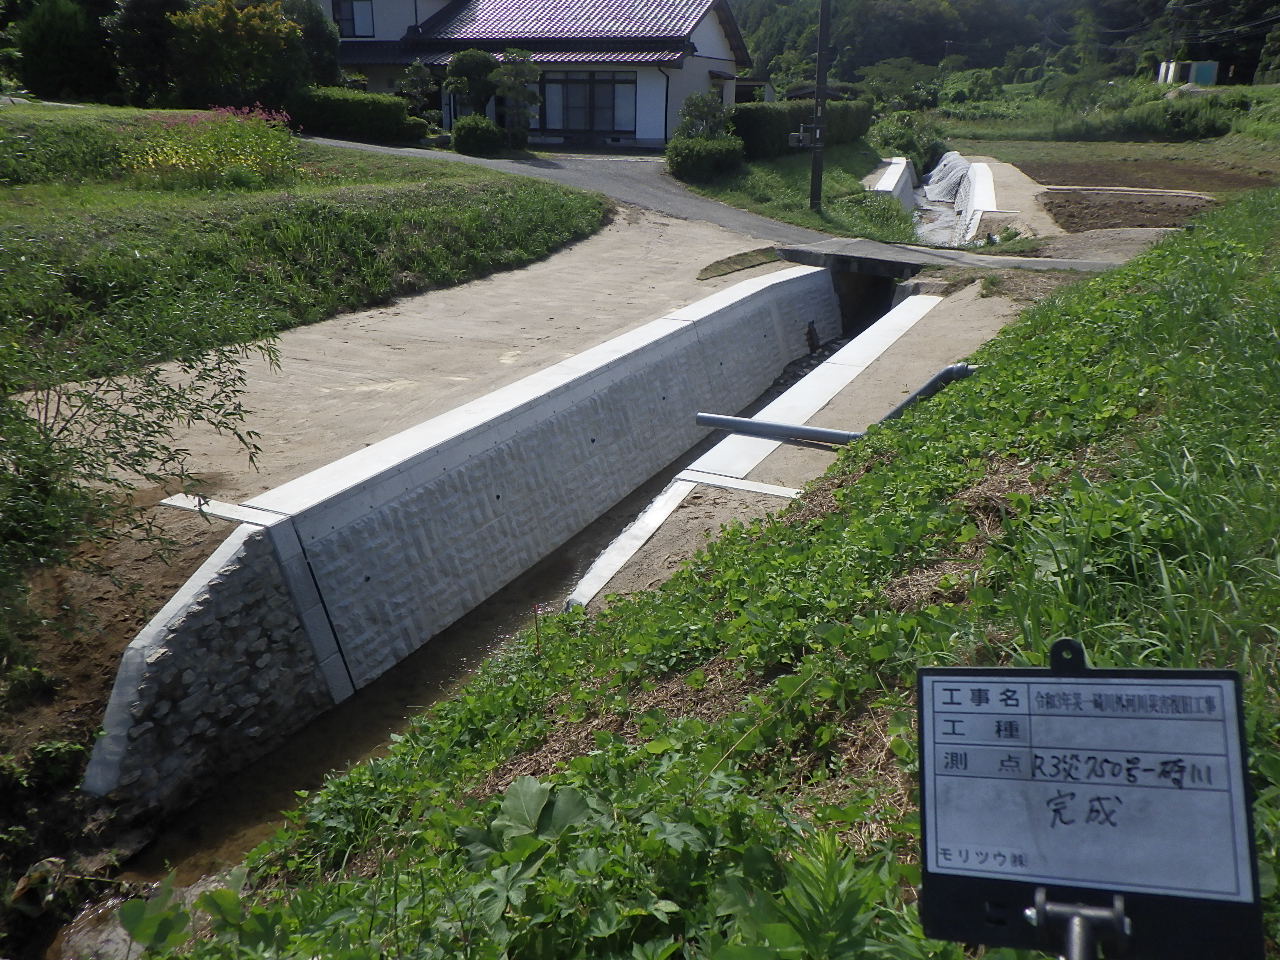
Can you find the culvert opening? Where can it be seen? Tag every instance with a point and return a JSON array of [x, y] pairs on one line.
[[864, 299]]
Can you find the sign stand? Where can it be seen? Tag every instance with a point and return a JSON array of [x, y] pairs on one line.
[[1081, 810], [1078, 926], [1084, 925]]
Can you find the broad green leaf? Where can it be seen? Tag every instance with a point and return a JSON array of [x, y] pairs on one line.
[[654, 950], [478, 842], [781, 936], [521, 807], [223, 906], [566, 809], [604, 921]]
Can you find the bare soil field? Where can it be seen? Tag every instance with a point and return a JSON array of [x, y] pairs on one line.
[[1079, 210], [1154, 173]]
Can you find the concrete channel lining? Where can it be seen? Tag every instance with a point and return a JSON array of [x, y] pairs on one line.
[[109, 749], [345, 571], [729, 461], [899, 180], [401, 521]]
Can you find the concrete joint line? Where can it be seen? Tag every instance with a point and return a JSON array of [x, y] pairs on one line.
[[258, 516], [738, 483]]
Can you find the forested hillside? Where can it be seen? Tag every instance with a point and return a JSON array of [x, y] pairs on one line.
[[1124, 35]]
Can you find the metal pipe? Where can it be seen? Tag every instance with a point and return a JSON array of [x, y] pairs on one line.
[[775, 431], [772, 430], [957, 371]]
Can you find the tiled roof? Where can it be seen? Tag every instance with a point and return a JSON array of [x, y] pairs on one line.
[[564, 19], [546, 57]]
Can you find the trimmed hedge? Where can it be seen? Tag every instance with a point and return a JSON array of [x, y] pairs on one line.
[[698, 159], [764, 127], [477, 135], [355, 115]]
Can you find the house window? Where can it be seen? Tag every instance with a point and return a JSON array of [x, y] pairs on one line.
[[353, 17], [582, 101]]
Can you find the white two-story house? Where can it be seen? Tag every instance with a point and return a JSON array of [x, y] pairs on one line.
[[613, 71]]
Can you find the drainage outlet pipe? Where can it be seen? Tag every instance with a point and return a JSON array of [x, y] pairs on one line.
[[775, 431], [771, 430], [957, 371]]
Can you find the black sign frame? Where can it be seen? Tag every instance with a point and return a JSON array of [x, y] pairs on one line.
[[1002, 913]]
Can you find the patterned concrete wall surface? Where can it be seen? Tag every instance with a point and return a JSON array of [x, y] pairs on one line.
[[337, 576], [221, 675], [977, 197], [411, 533]]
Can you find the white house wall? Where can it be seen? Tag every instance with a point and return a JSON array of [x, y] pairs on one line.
[[709, 39], [693, 77], [651, 98]]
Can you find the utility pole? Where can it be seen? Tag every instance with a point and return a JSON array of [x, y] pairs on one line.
[[820, 105]]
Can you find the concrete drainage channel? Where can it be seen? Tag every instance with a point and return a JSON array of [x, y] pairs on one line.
[[334, 578], [949, 204]]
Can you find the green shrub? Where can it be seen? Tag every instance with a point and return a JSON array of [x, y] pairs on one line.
[[847, 120], [907, 135], [63, 53], [141, 35], [763, 127], [476, 135], [699, 159], [1185, 118], [238, 54], [354, 115], [703, 117]]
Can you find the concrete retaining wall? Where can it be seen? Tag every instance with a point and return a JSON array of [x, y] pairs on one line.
[[977, 196], [899, 180], [221, 675], [337, 576]]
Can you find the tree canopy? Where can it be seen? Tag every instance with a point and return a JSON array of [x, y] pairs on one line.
[[782, 34]]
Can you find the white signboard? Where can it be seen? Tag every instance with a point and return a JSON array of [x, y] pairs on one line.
[[1112, 783]]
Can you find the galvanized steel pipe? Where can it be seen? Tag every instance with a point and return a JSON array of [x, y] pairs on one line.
[[775, 431], [772, 430]]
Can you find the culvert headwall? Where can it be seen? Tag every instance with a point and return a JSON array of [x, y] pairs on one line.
[[335, 577]]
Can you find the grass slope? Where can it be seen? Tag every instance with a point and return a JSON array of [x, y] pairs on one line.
[[723, 768], [779, 188], [102, 274]]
